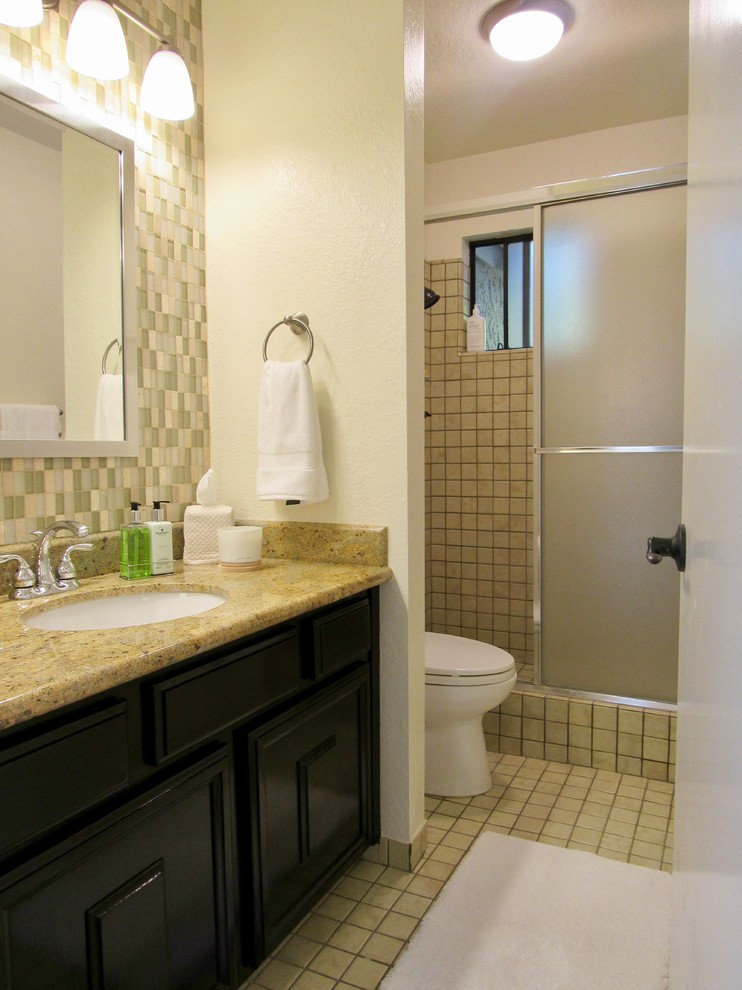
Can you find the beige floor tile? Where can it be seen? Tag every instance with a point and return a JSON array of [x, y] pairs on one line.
[[334, 906], [392, 877], [318, 928], [314, 981], [591, 821], [457, 840], [412, 904], [351, 938], [366, 871], [278, 975], [474, 814], [351, 888], [556, 830], [425, 886], [446, 855], [647, 850], [624, 815], [332, 962], [298, 951], [382, 948], [607, 853], [528, 824], [366, 916], [617, 843], [552, 840], [366, 974], [433, 870], [380, 896], [398, 925]]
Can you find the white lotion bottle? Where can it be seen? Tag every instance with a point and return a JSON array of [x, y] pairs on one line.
[[161, 533]]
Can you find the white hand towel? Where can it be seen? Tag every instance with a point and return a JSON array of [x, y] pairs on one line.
[[290, 465], [109, 408], [29, 422]]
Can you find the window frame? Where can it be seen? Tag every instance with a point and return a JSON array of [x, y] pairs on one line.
[[525, 237]]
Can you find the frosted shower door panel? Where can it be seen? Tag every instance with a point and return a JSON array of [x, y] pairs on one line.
[[613, 320], [609, 618]]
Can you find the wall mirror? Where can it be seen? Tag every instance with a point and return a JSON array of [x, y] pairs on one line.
[[67, 321]]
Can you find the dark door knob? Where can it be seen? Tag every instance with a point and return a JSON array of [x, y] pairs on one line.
[[659, 547]]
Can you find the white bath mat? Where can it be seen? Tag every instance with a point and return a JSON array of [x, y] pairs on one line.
[[522, 915]]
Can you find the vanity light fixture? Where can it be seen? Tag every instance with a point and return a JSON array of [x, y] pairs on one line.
[[96, 47], [521, 30], [22, 13]]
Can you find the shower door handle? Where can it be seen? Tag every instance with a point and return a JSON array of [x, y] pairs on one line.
[[659, 547]]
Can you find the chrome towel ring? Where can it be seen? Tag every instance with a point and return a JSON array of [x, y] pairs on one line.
[[107, 351], [298, 323]]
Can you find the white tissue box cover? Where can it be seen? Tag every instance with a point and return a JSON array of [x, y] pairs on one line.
[[200, 523]]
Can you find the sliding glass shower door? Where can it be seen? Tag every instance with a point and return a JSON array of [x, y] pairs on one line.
[[609, 451]]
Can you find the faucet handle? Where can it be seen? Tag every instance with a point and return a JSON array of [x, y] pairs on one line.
[[24, 577], [66, 570]]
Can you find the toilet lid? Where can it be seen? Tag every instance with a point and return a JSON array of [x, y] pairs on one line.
[[456, 656]]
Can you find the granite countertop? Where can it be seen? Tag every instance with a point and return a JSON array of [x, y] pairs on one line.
[[41, 671]]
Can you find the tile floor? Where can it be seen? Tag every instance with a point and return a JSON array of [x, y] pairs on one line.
[[353, 936]]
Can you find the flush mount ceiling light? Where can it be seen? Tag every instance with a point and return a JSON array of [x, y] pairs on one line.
[[24, 13], [520, 30]]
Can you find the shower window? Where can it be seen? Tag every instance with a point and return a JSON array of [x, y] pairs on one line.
[[502, 287]]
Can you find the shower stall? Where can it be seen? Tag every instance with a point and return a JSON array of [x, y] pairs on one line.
[[548, 469], [608, 433]]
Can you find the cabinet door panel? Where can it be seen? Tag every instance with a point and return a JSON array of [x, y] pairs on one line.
[[192, 706], [313, 801], [72, 780], [138, 903], [340, 637]]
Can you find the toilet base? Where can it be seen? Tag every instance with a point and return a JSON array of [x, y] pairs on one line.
[[456, 763]]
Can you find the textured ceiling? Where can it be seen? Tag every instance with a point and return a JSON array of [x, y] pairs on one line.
[[621, 62]]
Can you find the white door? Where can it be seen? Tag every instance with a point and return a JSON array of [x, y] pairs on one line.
[[707, 920]]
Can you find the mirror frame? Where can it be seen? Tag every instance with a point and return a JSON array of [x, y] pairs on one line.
[[125, 147]]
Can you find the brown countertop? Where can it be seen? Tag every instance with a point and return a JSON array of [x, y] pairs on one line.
[[41, 671]]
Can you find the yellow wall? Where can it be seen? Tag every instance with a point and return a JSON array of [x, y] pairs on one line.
[[314, 176]]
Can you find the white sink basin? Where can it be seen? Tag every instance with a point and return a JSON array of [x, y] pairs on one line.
[[118, 611]]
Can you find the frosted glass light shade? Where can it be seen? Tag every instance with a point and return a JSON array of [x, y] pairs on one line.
[[167, 91], [526, 35], [96, 45], [21, 13]]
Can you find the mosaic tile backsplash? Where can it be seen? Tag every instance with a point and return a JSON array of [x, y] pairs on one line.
[[170, 266], [479, 478]]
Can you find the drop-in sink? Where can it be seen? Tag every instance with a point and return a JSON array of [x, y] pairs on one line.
[[118, 611]]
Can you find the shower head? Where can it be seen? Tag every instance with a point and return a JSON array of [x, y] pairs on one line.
[[431, 298]]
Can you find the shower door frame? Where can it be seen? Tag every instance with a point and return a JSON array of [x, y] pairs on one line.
[[582, 189]]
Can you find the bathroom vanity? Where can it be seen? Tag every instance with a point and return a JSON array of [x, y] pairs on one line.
[[168, 831]]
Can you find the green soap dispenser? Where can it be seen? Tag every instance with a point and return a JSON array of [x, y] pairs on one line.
[[136, 547]]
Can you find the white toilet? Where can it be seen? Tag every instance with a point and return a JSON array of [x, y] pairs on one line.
[[463, 679]]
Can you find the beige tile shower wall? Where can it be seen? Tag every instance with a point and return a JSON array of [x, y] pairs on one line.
[[628, 739], [171, 319], [479, 497]]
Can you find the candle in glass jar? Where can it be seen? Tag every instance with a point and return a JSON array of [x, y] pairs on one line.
[[240, 544]]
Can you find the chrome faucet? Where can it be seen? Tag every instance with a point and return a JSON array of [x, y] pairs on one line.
[[28, 585]]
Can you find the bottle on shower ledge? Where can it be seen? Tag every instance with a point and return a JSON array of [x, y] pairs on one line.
[[136, 547]]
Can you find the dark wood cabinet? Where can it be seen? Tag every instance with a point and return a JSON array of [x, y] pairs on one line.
[[138, 900], [167, 835], [310, 802]]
